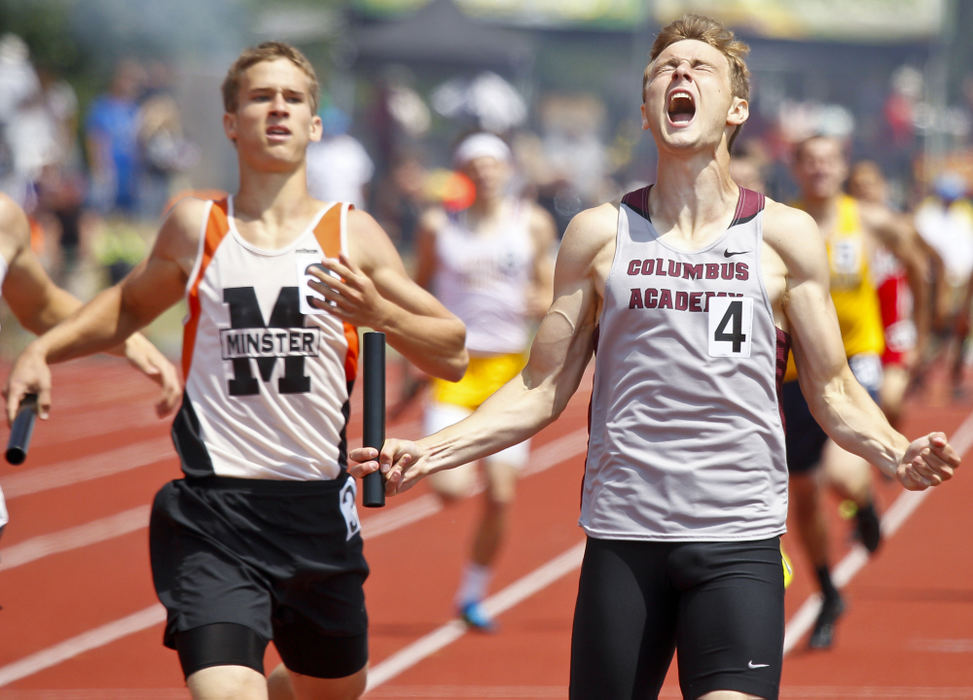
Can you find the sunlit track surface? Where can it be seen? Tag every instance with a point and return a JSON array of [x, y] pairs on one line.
[[79, 618]]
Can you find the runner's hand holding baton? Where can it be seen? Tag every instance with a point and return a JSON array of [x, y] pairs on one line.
[[373, 406], [21, 430]]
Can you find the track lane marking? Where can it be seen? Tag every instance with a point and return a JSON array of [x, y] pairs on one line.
[[573, 443], [94, 466], [444, 635], [901, 509], [74, 537], [548, 455], [86, 641]]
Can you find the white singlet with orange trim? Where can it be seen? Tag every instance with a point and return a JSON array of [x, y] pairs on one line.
[[268, 377], [686, 442], [484, 279]]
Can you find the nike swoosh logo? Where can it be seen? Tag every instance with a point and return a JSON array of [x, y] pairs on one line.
[[730, 254], [751, 664]]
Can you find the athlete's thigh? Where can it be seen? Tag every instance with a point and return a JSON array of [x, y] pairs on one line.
[[849, 474], [731, 617], [460, 481], [624, 621], [203, 568], [501, 481], [227, 682]]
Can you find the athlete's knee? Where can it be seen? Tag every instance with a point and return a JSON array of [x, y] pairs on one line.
[[498, 500], [501, 487], [226, 683], [453, 484], [449, 494], [349, 687]]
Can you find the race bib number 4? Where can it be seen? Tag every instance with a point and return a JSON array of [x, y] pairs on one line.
[[730, 326]]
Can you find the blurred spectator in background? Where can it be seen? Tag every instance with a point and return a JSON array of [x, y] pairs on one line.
[[400, 197], [60, 186], [164, 151], [30, 137], [906, 324], [397, 119], [112, 141], [338, 167], [491, 265], [486, 102], [899, 142], [40, 164], [578, 170], [945, 221], [850, 230], [747, 168]]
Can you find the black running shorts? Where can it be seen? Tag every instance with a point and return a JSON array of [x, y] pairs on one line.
[[281, 559], [803, 437], [720, 603]]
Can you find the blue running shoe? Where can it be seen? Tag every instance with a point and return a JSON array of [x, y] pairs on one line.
[[473, 614]]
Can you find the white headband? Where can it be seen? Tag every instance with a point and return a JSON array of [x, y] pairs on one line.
[[479, 145]]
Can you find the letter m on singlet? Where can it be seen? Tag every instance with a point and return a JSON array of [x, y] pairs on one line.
[[245, 314]]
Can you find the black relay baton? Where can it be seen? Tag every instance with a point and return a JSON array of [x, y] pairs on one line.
[[22, 429], [373, 406]]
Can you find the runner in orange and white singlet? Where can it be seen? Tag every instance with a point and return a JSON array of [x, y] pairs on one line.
[[260, 539]]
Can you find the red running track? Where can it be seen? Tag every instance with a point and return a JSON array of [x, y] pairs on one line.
[[79, 618]]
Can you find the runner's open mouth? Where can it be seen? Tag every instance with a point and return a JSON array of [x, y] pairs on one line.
[[681, 108]]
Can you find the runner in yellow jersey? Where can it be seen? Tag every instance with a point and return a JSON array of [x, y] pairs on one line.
[[491, 265], [850, 229]]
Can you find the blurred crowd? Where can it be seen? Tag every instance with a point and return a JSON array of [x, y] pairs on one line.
[[95, 177]]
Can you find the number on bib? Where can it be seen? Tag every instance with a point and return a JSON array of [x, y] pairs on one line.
[[730, 326], [346, 501]]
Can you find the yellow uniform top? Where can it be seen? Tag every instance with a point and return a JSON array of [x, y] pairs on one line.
[[854, 296]]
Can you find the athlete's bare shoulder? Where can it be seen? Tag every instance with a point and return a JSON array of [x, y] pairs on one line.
[[179, 235], [793, 235], [588, 245], [592, 229], [369, 246], [364, 230]]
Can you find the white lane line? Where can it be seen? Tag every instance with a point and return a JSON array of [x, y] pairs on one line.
[[94, 466], [448, 633], [74, 537], [445, 635], [546, 456], [901, 509], [86, 641]]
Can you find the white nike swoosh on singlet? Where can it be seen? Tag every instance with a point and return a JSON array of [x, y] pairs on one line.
[[751, 664]]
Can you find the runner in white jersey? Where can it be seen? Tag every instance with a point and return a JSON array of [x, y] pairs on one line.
[[684, 483], [719, 472], [251, 340], [260, 540], [490, 264], [38, 304]]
